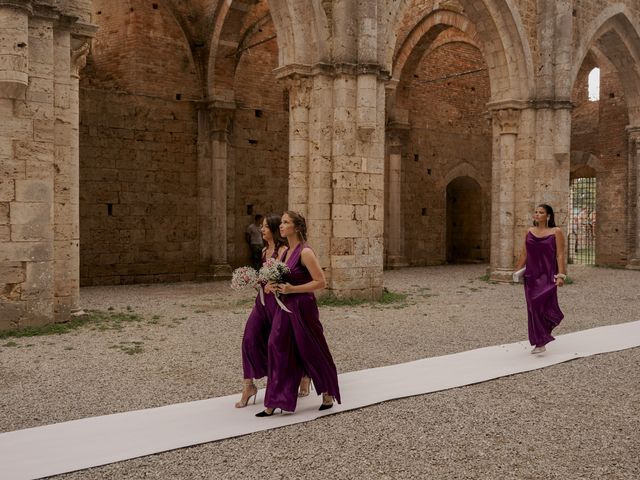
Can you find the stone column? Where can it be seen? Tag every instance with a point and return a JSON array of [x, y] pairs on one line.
[[634, 204], [506, 122], [358, 184], [299, 88], [394, 227], [214, 122], [68, 62], [221, 118]]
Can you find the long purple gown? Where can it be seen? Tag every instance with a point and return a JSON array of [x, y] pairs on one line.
[[540, 289], [297, 345], [256, 334]]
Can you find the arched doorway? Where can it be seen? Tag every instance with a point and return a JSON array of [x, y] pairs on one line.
[[464, 221]]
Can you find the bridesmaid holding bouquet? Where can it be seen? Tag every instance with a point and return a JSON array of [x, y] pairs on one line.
[[258, 326], [297, 344]]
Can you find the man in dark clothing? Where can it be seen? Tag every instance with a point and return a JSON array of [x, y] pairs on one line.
[[253, 235]]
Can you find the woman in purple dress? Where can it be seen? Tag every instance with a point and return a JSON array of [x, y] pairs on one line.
[[544, 258], [256, 331], [297, 344]]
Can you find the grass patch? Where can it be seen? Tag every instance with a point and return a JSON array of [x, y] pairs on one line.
[[388, 298], [98, 320], [568, 280]]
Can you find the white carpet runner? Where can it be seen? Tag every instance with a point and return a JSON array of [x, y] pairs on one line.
[[78, 444]]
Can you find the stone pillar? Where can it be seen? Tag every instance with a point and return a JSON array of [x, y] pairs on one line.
[[214, 123], [358, 185], [506, 122], [299, 88], [634, 196], [394, 227]]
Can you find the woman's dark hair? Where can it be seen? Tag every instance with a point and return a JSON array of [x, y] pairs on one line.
[[551, 223], [273, 224], [299, 222]]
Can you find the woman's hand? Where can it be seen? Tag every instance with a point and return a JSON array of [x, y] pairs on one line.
[[270, 287], [559, 281], [283, 288]]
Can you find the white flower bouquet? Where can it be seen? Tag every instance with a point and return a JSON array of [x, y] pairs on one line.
[[246, 277], [273, 271]]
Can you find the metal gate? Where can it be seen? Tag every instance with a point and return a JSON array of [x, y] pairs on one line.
[[582, 221]]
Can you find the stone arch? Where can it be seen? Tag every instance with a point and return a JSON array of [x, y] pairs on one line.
[[463, 169], [424, 35], [584, 164], [614, 35], [502, 38], [301, 29]]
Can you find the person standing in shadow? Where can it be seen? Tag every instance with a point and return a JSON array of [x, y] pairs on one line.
[[253, 236]]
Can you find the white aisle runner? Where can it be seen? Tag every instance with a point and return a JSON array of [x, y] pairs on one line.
[[65, 447]]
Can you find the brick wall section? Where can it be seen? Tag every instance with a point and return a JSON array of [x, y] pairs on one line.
[[259, 169], [599, 128], [138, 208], [141, 50], [448, 128]]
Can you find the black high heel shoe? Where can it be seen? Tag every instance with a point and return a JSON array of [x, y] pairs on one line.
[[325, 402], [264, 413]]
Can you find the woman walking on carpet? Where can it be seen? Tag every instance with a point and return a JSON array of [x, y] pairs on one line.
[[543, 255], [297, 344], [258, 326]]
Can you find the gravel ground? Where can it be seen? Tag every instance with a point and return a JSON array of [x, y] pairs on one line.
[[577, 420]]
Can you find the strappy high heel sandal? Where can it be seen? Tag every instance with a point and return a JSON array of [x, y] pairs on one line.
[[327, 402], [305, 387], [249, 390]]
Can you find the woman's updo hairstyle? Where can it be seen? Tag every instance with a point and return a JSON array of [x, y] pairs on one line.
[[273, 224], [299, 222], [551, 223]]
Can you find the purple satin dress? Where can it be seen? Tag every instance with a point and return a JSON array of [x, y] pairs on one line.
[[256, 334], [540, 289], [297, 345]]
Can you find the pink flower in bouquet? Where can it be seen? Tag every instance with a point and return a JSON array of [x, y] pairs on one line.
[[244, 277]]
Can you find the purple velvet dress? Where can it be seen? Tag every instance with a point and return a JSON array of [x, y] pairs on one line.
[[297, 345], [540, 289], [256, 334]]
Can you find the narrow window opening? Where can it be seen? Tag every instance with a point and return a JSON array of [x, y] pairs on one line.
[[424, 212], [259, 113], [249, 209], [594, 85], [110, 209], [428, 171], [178, 96], [416, 157]]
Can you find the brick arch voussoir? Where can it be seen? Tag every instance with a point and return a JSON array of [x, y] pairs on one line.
[[424, 35]]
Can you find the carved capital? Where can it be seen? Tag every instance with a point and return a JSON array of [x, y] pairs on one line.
[[221, 121], [634, 138], [507, 120], [79, 57], [299, 88]]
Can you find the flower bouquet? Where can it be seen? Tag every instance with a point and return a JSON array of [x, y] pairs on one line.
[[245, 277], [274, 271]]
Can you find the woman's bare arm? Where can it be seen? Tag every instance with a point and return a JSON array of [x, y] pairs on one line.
[[318, 281]]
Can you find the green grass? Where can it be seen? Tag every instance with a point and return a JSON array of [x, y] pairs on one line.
[[94, 318], [388, 298]]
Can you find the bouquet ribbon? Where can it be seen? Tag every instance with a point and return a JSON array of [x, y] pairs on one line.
[[261, 292], [282, 305]]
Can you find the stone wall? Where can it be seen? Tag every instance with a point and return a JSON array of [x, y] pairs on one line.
[[598, 129], [138, 189], [448, 132]]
